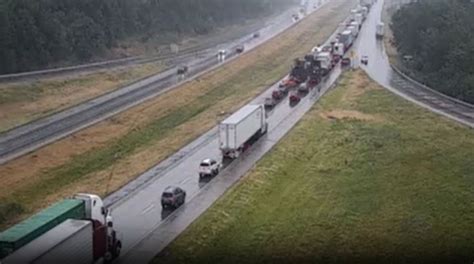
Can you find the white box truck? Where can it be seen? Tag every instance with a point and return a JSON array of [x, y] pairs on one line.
[[354, 31], [356, 25], [325, 61], [359, 19], [379, 30], [241, 129], [347, 39], [70, 242]]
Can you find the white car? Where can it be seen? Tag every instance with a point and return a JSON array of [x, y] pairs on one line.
[[209, 167]]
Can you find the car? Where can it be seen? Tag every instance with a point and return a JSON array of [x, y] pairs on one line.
[[182, 70], [346, 61], [294, 98], [209, 167], [269, 102], [173, 197], [364, 60], [277, 94], [256, 34], [303, 88], [240, 49]]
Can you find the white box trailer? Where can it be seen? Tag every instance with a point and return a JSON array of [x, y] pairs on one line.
[[70, 242], [248, 123], [353, 14], [359, 19], [324, 59], [379, 30], [347, 39], [354, 31], [339, 49]]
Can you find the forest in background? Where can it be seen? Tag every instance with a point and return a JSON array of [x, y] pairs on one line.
[[37, 33], [439, 34]]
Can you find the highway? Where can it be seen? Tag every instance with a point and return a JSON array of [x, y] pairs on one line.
[[379, 69], [169, 57], [26, 138], [146, 229]]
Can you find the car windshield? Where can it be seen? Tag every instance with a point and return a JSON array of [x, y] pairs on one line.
[[167, 195], [203, 164]]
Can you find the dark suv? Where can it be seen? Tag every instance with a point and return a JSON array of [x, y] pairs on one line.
[[173, 197]]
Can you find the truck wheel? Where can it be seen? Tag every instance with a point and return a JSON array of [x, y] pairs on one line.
[[108, 257], [117, 249]]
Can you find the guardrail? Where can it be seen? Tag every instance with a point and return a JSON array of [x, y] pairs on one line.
[[417, 83]]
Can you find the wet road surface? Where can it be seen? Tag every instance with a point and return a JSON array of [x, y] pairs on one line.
[[146, 229], [137, 219], [380, 70], [31, 136]]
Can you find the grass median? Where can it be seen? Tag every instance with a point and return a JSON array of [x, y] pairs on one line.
[[23, 102], [364, 177], [137, 139]]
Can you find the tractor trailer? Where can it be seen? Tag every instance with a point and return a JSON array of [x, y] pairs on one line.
[[379, 30], [241, 129], [58, 231]]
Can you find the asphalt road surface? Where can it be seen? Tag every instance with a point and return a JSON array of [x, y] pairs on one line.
[[146, 229], [33, 135], [380, 70]]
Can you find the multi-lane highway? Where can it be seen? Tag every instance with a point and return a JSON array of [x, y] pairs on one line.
[[28, 137], [138, 214], [146, 229], [380, 70]]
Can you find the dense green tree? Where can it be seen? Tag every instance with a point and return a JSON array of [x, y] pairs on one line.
[[439, 34], [38, 33]]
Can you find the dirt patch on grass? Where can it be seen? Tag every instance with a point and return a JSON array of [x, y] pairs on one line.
[[357, 85], [231, 85], [349, 114]]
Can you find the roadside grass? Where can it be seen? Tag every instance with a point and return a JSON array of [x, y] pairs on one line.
[[104, 169], [396, 188], [390, 49], [23, 102]]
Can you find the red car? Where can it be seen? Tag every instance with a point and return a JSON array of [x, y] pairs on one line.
[[277, 95], [346, 61], [295, 98]]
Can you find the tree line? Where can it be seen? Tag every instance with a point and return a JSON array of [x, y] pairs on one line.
[[38, 33], [439, 34]]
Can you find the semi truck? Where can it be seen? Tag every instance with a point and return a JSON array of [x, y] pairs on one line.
[[357, 26], [379, 30], [41, 236], [359, 19], [241, 129], [338, 51], [325, 62], [354, 31], [347, 39]]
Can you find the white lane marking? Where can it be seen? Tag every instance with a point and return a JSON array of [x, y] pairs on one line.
[[148, 209]]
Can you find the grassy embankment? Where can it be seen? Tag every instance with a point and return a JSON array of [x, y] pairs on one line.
[[104, 157], [390, 49], [364, 177], [26, 101]]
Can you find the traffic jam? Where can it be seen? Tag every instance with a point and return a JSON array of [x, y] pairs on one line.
[[84, 219]]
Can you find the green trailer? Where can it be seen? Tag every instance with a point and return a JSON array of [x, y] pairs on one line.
[[33, 227]]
